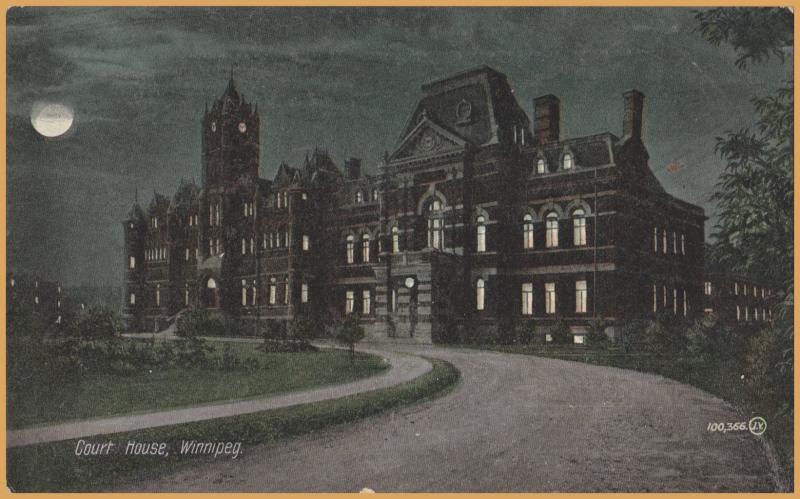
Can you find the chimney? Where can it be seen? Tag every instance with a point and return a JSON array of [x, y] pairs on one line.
[[352, 168], [546, 117], [634, 107]]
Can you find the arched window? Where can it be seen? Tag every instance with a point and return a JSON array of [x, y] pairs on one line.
[[304, 293], [366, 302], [566, 162], [435, 225], [158, 295], [579, 227], [540, 166], [244, 292], [551, 226], [211, 283], [365, 248], [395, 240], [286, 291], [480, 227], [527, 232], [374, 194], [359, 197], [350, 250], [480, 294], [273, 290]]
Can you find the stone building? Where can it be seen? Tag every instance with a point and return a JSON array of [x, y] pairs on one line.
[[479, 217]]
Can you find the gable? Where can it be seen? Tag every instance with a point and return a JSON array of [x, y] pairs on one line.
[[428, 139]]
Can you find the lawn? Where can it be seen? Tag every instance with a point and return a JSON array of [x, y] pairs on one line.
[[42, 399]]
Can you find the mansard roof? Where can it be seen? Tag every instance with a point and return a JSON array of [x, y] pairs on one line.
[[593, 150], [473, 104]]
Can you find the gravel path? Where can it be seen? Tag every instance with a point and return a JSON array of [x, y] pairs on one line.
[[403, 368], [515, 423]]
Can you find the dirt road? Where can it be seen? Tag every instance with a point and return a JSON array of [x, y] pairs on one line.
[[515, 423]]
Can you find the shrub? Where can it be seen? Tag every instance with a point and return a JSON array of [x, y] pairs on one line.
[[560, 333], [349, 332], [275, 330], [596, 336], [301, 328], [94, 323], [200, 323]]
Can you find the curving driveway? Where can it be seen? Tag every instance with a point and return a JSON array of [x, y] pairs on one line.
[[515, 423]]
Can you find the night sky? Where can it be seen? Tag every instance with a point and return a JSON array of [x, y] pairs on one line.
[[341, 79]]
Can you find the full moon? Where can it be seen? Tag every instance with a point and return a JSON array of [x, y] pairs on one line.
[[51, 119]]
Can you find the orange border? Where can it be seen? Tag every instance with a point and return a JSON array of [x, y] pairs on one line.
[[379, 3]]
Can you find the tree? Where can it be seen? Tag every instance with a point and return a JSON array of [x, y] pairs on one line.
[[349, 332], [596, 335]]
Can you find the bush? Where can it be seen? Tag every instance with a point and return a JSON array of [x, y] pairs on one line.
[[275, 330], [94, 323], [349, 332], [301, 328], [596, 336], [200, 323], [560, 333]]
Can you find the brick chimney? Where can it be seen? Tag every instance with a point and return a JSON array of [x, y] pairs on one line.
[[546, 116], [634, 110], [352, 168]]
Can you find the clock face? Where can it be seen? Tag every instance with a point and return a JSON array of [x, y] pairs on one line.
[[409, 282], [242, 127], [213, 126]]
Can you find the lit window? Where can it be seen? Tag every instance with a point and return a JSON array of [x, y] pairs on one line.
[[481, 232], [374, 194], [655, 239], [131, 264], [133, 299], [36, 299], [286, 238], [244, 293], [674, 301], [394, 300], [304, 196], [579, 227], [395, 240], [755, 313], [540, 166], [567, 161], [304, 293], [350, 249], [664, 292], [306, 242], [527, 232], [655, 298], [683, 244], [186, 297], [707, 288], [550, 298], [348, 302], [435, 225], [580, 297], [480, 294], [527, 298], [158, 295], [286, 291], [365, 302], [254, 294], [285, 199], [551, 233], [664, 242], [196, 253], [359, 197], [685, 304], [738, 313], [736, 288], [746, 313], [264, 240], [273, 291], [217, 246], [244, 246], [365, 248], [579, 339], [674, 243]]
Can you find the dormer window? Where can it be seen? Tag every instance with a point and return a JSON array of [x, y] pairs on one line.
[[540, 166], [566, 161]]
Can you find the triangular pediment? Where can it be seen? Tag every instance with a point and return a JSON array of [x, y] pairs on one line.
[[428, 139]]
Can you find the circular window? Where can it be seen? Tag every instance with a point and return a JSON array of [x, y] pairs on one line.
[[409, 282], [242, 127]]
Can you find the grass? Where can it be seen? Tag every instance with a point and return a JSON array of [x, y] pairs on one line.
[[55, 468], [45, 400]]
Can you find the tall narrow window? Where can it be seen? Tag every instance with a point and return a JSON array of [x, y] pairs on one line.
[[551, 232], [674, 243], [746, 313], [306, 242], [540, 166], [683, 244], [133, 299], [365, 248], [435, 225], [350, 249], [527, 232], [286, 291], [675, 301], [480, 295], [394, 300], [736, 288], [567, 161], [366, 304], [252, 245], [685, 304], [286, 238], [480, 226], [738, 313], [244, 246], [158, 295], [580, 297], [550, 298], [655, 298], [273, 291], [186, 297], [395, 240], [264, 240], [304, 293], [186, 254], [348, 302], [132, 262], [664, 242], [579, 227], [707, 288], [655, 239], [664, 293], [285, 199], [244, 293], [359, 197], [527, 298], [253, 297]]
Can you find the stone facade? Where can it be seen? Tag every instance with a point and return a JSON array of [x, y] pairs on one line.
[[478, 216]]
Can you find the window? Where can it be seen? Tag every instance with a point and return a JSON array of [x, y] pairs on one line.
[[755, 313], [480, 296], [664, 292], [365, 302], [579, 227], [435, 225], [286, 238], [738, 313], [244, 246], [278, 200], [196, 253], [286, 291], [655, 298], [707, 288], [580, 297], [551, 233], [566, 162], [133, 299], [304, 196], [685, 304], [304, 293], [527, 232], [365, 248], [674, 301], [350, 249], [132, 262], [655, 239], [664, 242], [736, 288], [755, 291], [244, 293], [744, 287], [253, 297], [306, 242], [394, 300], [285, 199], [540, 166], [527, 298], [374, 194], [481, 233], [359, 197], [186, 296], [746, 313], [674, 243], [683, 244], [158, 295], [395, 240], [579, 339], [273, 291], [348, 302], [550, 298]]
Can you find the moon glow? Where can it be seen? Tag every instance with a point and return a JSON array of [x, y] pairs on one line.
[[51, 119]]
